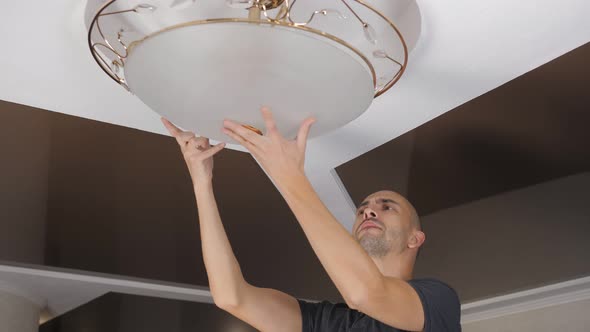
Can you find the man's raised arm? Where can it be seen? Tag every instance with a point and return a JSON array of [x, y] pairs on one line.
[[264, 309], [364, 288]]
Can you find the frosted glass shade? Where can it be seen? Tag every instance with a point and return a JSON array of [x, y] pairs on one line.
[[199, 74]]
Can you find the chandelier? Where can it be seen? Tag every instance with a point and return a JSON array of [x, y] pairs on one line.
[[197, 62]]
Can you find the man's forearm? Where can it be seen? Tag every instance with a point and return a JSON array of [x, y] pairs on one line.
[[225, 276], [347, 264]]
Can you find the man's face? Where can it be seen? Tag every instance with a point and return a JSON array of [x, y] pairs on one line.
[[383, 223]]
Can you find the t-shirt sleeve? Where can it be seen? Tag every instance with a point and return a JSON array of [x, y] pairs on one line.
[[308, 312], [320, 316], [442, 309]]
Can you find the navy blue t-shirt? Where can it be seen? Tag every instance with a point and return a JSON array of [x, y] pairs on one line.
[[442, 312]]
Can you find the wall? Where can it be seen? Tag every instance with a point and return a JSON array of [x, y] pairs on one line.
[[518, 240]]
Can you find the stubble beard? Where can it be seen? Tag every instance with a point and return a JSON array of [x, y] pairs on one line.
[[376, 246]]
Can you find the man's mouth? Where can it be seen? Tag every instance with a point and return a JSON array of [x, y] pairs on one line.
[[368, 224]]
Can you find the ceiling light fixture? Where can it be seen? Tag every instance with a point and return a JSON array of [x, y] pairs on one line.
[[197, 62]]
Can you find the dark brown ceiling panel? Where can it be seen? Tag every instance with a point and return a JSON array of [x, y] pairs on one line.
[[121, 201], [383, 168], [130, 313], [530, 130], [118, 200], [522, 239], [24, 166]]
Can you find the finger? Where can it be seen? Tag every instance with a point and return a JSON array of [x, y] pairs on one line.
[[199, 154], [172, 129], [212, 151], [198, 142], [269, 121], [245, 133], [245, 143], [184, 138], [304, 132], [254, 129]]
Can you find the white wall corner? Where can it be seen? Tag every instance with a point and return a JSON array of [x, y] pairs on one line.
[[333, 194]]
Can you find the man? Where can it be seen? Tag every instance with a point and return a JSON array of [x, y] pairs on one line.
[[372, 269]]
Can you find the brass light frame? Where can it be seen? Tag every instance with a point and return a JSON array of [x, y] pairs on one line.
[[283, 19]]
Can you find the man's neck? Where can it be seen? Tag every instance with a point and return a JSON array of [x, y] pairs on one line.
[[395, 266]]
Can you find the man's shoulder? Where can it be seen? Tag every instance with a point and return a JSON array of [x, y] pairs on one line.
[[433, 287], [440, 301], [326, 315], [430, 282], [325, 304], [326, 308]]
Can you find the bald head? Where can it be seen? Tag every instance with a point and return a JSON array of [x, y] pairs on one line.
[[386, 222], [400, 200]]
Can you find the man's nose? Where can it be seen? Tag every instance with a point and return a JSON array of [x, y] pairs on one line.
[[369, 213]]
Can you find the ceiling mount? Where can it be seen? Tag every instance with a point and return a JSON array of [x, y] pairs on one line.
[[268, 4]]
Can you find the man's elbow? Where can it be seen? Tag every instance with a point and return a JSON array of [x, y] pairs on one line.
[[361, 297], [227, 303], [229, 298], [355, 302]]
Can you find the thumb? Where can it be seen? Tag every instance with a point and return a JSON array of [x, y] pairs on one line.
[[304, 132], [213, 150]]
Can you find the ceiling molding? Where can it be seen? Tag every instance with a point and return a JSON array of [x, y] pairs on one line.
[[10, 288], [66, 289], [333, 194], [537, 298]]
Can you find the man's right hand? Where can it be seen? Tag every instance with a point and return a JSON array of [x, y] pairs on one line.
[[198, 153]]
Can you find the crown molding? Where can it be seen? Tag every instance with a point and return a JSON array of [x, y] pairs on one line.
[[19, 291], [65, 289], [532, 299]]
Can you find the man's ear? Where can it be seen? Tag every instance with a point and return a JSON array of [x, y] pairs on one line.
[[417, 239]]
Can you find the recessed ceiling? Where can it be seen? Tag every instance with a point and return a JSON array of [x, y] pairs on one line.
[[465, 49]]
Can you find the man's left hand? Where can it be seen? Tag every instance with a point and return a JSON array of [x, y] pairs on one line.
[[281, 158]]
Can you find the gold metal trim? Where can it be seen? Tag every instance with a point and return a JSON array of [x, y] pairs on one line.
[[399, 74], [128, 48], [97, 57]]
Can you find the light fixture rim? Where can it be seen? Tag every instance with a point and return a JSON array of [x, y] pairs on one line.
[[258, 22], [404, 46]]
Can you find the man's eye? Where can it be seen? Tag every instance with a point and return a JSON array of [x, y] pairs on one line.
[[386, 207], [361, 212]]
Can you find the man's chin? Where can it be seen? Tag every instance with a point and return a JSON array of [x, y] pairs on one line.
[[366, 235], [374, 245]]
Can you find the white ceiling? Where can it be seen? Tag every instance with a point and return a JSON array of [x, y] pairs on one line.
[[466, 48]]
